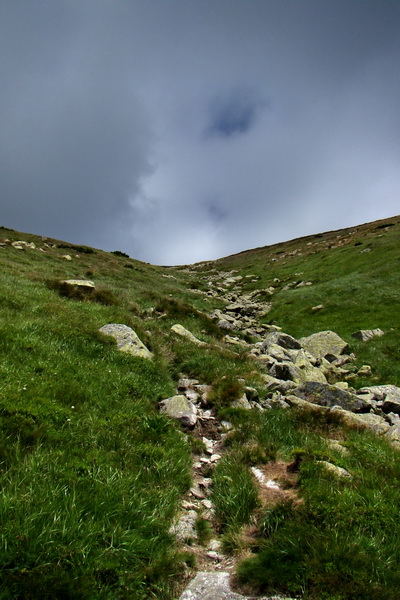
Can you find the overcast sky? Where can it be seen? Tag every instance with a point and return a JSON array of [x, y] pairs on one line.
[[186, 130]]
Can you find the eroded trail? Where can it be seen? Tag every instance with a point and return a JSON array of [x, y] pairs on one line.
[[197, 527]]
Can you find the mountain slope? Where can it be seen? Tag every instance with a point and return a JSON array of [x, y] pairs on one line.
[[93, 475]]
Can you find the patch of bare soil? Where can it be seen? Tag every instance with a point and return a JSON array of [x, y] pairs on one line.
[[278, 484], [209, 428]]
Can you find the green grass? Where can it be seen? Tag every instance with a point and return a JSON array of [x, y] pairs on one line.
[[341, 541], [91, 475]]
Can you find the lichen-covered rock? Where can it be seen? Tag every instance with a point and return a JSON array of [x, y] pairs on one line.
[[329, 395], [84, 285], [324, 343], [281, 339], [370, 421], [293, 400], [127, 340], [367, 334], [334, 469], [180, 330], [180, 408], [297, 374]]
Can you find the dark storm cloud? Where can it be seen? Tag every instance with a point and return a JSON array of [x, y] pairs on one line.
[[183, 131], [232, 113]]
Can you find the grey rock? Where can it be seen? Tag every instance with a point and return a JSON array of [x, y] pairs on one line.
[[370, 421], [251, 394], [289, 371], [393, 434], [337, 446], [389, 394], [281, 339], [185, 528], [364, 371], [285, 371], [83, 285], [335, 470], [186, 382], [241, 403], [180, 330], [215, 586], [180, 408], [225, 324], [127, 340], [324, 343], [367, 334], [329, 395]]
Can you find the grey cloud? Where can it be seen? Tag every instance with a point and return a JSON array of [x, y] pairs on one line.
[[188, 130]]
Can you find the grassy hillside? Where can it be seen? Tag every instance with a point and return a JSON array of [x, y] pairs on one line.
[[92, 474], [355, 275]]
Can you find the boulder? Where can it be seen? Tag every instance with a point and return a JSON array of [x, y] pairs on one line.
[[83, 285], [180, 330], [329, 395], [180, 408], [289, 371], [389, 396], [324, 343], [300, 403], [280, 339], [367, 334], [375, 423], [127, 340]]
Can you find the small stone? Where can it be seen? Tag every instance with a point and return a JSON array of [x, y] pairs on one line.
[[214, 555], [180, 330], [67, 256], [209, 444], [365, 371], [215, 458], [317, 308], [197, 492], [189, 505]]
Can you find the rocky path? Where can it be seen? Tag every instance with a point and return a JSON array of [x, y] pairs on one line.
[[215, 569]]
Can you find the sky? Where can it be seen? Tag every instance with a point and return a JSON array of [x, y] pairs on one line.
[[180, 131]]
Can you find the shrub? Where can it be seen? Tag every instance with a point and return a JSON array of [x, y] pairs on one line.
[[119, 253], [83, 249]]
